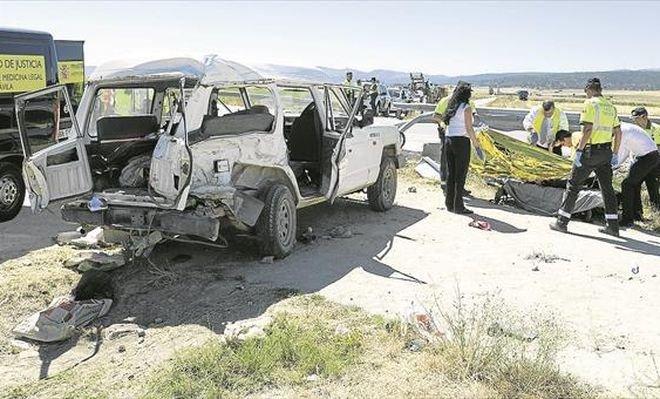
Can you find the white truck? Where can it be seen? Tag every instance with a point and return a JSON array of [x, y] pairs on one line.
[[236, 151]]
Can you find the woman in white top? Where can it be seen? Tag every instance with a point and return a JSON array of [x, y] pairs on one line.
[[459, 134]]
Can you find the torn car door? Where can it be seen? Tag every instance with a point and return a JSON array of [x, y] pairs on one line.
[[55, 164], [338, 161], [171, 164]]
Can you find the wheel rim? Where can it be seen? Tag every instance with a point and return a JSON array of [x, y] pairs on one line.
[[284, 222], [8, 191], [389, 183]]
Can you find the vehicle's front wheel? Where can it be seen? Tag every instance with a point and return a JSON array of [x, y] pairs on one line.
[[382, 193], [276, 226], [12, 191]]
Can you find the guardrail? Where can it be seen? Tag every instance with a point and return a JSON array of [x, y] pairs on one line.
[[505, 118]]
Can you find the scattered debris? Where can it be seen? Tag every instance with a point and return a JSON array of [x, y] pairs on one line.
[[412, 189], [66, 237], [496, 330], [95, 260], [340, 232], [423, 323], [61, 318], [120, 330], [93, 239], [312, 378], [635, 269], [244, 329], [97, 204], [480, 224], [121, 349], [428, 169], [545, 258], [142, 246], [535, 268], [307, 236], [267, 260], [415, 345]]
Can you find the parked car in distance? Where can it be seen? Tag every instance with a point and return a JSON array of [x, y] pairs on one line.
[[399, 95], [383, 101], [242, 154]]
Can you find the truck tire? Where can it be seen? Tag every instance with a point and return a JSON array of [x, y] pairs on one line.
[[381, 194], [12, 191], [276, 227]]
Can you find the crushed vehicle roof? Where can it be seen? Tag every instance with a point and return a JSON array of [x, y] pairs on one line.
[[126, 69]]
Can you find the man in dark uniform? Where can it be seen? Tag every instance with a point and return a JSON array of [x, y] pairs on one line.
[[596, 152]]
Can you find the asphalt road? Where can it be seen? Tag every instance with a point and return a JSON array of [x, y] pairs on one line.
[[30, 231], [507, 119]]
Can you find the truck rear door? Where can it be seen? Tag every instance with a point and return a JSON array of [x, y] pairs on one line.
[[55, 165]]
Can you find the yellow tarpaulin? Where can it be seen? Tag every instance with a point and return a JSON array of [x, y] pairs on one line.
[[509, 157], [19, 73]]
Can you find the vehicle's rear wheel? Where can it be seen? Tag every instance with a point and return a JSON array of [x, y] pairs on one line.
[[12, 191], [382, 193], [276, 226]]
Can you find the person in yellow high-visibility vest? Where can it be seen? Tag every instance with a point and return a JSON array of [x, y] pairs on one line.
[[596, 152], [641, 118], [543, 122], [349, 82]]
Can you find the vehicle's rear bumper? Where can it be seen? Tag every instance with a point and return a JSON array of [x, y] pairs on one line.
[[138, 218]]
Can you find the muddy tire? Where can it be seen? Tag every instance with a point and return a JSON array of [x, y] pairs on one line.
[[382, 193], [12, 191], [276, 227]]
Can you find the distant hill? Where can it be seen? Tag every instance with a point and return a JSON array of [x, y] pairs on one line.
[[645, 79]]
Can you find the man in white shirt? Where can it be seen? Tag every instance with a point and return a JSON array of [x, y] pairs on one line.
[[637, 144], [543, 122]]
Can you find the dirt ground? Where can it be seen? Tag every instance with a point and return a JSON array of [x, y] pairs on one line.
[[604, 290]]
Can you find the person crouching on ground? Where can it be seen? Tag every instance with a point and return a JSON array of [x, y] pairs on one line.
[[640, 116], [543, 122], [459, 134], [637, 144]]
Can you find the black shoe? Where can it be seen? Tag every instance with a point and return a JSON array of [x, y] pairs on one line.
[[610, 231], [559, 226], [464, 211]]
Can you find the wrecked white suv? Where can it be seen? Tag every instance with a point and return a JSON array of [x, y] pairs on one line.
[[238, 152]]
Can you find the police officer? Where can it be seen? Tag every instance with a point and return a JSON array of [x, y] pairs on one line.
[[597, 152]]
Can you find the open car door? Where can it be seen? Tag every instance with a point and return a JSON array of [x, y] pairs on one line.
[[339, 152], [55, 165]]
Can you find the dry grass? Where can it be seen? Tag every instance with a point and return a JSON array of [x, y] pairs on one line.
[[373, 357], [573, 100], [29, 283]]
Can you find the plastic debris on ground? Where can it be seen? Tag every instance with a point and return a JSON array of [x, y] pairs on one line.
[[95, 260], [61, 318], [481, 225], [340, 232], [143, 246]]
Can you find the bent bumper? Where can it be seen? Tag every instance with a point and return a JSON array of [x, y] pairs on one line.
[[135, 218]]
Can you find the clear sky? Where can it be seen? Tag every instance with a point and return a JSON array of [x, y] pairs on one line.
[[434, 37]]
